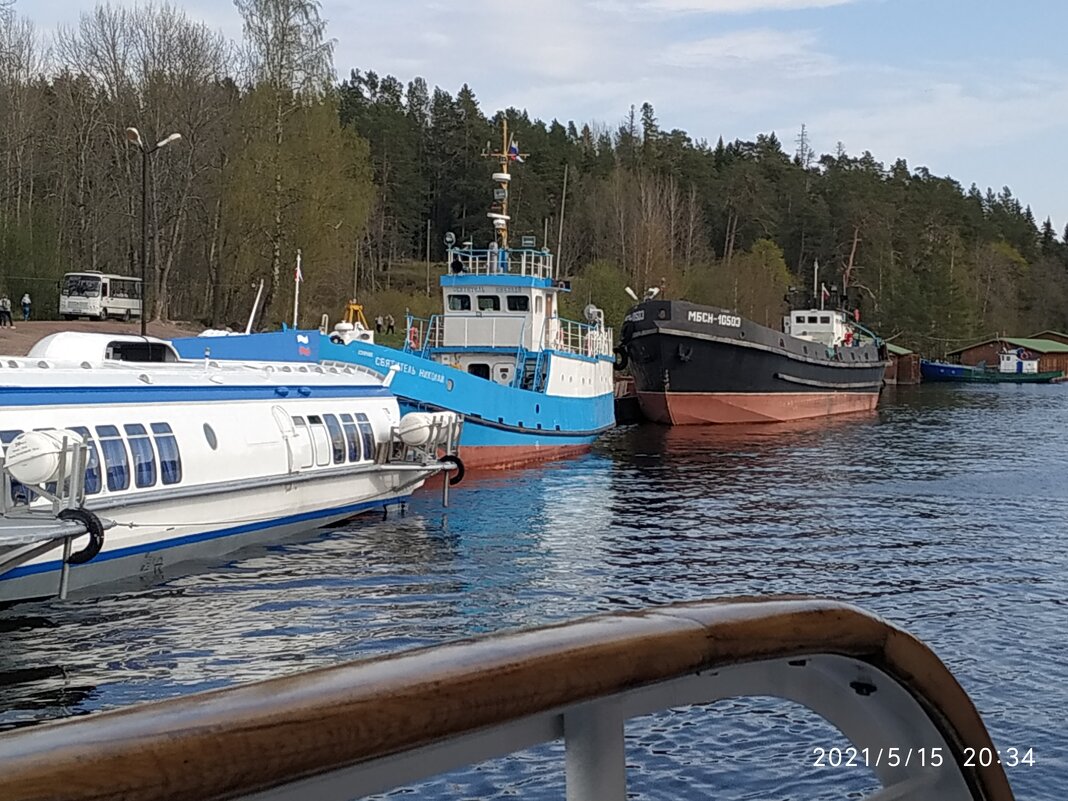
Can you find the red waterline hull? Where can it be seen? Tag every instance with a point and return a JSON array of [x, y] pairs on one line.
[[701, 408], [502, 457]]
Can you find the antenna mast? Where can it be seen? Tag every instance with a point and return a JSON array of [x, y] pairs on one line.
[[509, 152]]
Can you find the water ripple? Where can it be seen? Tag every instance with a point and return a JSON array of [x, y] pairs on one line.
[[945, 513]]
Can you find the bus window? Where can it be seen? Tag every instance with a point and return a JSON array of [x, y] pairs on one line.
[[85, 286]]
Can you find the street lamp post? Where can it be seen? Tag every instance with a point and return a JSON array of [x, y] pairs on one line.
[[134, 136]]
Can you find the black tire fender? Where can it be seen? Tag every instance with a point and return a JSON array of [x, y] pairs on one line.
[[93, 527], [622, 358], [452, 458]]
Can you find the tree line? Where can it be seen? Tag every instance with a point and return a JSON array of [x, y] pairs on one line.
[[365, 176]]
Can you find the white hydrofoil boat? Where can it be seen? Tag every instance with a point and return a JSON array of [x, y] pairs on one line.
[[120, 460]]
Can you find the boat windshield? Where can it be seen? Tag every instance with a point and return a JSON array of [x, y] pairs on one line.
[[86, 286]]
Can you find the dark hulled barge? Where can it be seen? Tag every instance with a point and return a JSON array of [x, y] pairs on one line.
[[701, 364]]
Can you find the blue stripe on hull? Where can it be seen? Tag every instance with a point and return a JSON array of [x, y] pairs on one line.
[[117, 395], [189, 539]]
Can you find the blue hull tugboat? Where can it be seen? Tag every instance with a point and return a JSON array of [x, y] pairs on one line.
[[530, 385]]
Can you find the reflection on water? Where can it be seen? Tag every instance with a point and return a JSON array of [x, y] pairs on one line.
[[945, 512]]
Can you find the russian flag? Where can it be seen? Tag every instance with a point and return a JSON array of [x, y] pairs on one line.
[[513, 152]]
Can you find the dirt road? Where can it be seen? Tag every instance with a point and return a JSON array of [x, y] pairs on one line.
[[18, 341]]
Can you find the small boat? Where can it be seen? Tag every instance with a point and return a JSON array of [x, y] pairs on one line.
[[1015, 366], [133, 460], [702, 364], [529, 384]]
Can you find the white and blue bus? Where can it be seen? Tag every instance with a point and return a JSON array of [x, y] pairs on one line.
[[99, 296]]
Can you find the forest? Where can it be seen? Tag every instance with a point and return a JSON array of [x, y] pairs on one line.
[[365, 174]]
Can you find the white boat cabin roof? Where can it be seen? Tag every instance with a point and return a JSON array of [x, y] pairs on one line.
[[79, 346]]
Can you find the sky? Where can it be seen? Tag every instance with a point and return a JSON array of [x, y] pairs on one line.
[[974, 89]]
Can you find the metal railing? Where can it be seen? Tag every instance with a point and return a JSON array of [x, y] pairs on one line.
[[371, 726], [582, 339], [516, 261]]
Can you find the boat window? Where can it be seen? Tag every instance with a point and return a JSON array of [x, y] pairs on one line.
[[140, 352], [812, 319], [481, 370], [800, 318], [209, 435], [825, 321], [19, 493], [489, 302], [337, 439], [320, 440], [352, 437], [459, 303], [170, 458], [116, 463], [303, 441], [92, 461], [367, 434], [537, 304], [518, 303], [144, 458]]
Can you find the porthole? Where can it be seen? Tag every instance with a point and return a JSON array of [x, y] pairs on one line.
[[782, 342], [448, 385], [537, 408], [209, 435], [805, 348]]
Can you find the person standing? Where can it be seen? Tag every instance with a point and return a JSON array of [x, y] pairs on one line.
[[5, 312], [378, 324], [391, 324], [26, 304]]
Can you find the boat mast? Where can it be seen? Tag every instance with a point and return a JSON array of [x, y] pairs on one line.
[[509, 152], [502, 232]]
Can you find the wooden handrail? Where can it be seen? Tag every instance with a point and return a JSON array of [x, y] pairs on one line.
[[230, 742]]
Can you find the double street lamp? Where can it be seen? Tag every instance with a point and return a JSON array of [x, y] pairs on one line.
[[134, 136]]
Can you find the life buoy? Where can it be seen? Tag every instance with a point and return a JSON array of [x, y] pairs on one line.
[[452, 458], [93, 527], [413, 338], [622, 358]]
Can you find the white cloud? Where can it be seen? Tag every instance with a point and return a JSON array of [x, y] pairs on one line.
[[790, 53]]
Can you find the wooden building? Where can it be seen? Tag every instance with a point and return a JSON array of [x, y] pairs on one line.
[[1056, 336], [904, 367], [1052, 355]]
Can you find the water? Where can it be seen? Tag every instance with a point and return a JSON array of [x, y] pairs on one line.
[[947, 513]]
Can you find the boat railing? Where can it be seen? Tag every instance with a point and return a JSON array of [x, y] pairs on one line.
[[375, 725], [515, 261], [38, 518], [582, 339], [464, 330], [423, 334]]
